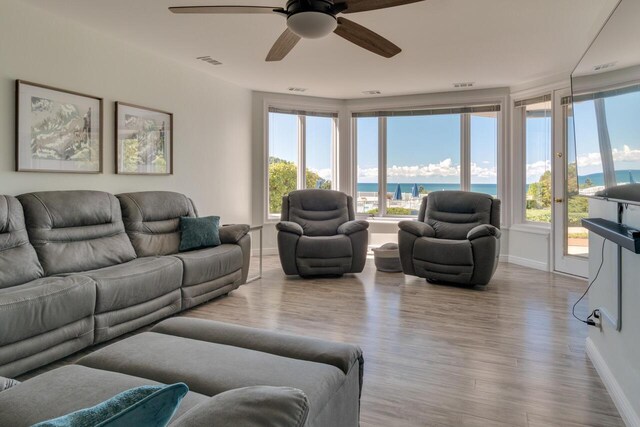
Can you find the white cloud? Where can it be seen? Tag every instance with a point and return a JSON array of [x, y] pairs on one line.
[[625, 155], [443, 169]]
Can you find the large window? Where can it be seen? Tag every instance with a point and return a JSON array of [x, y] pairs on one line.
[[404, 155], [536, 123], [299, 141]]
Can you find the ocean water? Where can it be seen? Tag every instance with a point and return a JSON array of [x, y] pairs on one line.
[[406, 188]]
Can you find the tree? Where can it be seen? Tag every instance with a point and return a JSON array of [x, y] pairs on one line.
[[283, 178], [540, 191]]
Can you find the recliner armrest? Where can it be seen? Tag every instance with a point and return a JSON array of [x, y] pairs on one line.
[[417, 228], [483, 230], [351, 227], [290, 227], [233, 233]]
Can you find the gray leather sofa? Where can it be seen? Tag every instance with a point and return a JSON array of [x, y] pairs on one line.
[[237, 376], [71, 276], [319, 235], [456, 238]]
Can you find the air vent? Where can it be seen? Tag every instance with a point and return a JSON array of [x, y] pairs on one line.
[[604, 66], [461, 85], [372, 92], [209, 60], [297, 89]]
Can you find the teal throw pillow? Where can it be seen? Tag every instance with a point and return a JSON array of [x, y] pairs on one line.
[[198, 233], [146, 406]]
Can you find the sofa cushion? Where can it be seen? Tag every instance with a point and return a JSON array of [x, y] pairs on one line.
[[144, 406], [199, 233], [43, 305], [452, 214], [69, 389], [204, 265], [443, 251], [324, 247], [135, 282], [257, 406], [210, 368], [319, 212], [18, 260], [152, 220], [74, 231]]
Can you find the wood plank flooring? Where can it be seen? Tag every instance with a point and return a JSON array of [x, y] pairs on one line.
[[508, 355]]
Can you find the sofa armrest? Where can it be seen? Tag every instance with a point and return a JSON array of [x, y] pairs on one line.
[[256, 406], [483, 230], [351, 227], [290, 227], [233, 233], [417, 228]]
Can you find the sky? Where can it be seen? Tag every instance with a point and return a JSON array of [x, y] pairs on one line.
[[426, 149], [623, 122]]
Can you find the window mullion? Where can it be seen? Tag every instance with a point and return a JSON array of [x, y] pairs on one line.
[[382, 166], [465, 152], [302, 142]]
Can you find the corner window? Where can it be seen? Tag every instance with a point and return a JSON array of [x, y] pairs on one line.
[[404, 155], [535, 116], [299, 141]]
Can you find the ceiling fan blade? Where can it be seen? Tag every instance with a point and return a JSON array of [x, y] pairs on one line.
[[365, 38], [353, 6], [225, 9], [283, 46]]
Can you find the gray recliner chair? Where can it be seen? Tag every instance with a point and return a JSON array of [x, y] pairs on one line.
[[318, 234], [456, 238]]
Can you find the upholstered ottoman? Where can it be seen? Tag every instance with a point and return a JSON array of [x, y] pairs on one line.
[[213, 357]]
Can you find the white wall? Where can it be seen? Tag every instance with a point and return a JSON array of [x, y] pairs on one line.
[[212, 119], [616, 354]]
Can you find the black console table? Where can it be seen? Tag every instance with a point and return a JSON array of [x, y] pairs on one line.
[[620, 234]]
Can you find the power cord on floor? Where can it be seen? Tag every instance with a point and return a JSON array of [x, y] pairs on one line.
[[595, 313]]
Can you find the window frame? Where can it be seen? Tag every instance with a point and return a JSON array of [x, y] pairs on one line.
[[519, 194], [465, 150], [302, 141]]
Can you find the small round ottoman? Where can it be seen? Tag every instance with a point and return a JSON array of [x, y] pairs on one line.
[[387, 258]]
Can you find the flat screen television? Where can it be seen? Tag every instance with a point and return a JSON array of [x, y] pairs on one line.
[[605, 110]]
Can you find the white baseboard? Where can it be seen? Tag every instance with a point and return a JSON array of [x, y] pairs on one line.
[[265, 251], [628, 414], [525, 262]]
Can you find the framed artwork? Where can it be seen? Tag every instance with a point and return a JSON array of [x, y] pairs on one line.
[[57, 130], [144, 140]]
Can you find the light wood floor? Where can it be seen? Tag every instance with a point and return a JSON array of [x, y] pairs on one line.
[[435, 355], [508, 355]]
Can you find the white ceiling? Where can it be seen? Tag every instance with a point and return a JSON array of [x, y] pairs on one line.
[[494, 43]]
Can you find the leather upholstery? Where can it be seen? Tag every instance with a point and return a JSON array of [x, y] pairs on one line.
[[70, 276], [18, 260], [152, 220], [74, 231], [318, 212], [135, 282], [208, 264], [456, 238], [318, 234]]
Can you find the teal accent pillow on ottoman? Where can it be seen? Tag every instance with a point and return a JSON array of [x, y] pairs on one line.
[[198, 233], [146, 406]]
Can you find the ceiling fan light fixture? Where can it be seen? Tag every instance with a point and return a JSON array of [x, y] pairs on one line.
[[312, 24]]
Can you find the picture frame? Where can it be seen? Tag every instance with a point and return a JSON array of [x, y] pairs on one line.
[[57, 130], [144, 140]]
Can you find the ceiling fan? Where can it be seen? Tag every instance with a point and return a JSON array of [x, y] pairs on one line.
[[313, 19]]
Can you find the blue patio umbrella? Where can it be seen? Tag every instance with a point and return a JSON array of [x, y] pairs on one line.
[[415, 191], [631, 180], [397, 195]]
